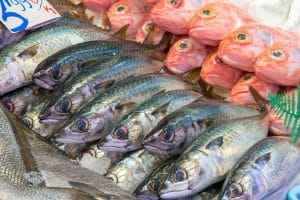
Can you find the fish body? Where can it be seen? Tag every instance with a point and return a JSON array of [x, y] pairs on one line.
[[128, 135], [242, 47], [212, 156], [97, 118], [218, 74], [185, 55], [59, 67], [279, 64], [177, 131], [19, 61], [93, 79], [173, 16], [205, 25], [266, 171], [241, 95], [145, 29], [133, 169]]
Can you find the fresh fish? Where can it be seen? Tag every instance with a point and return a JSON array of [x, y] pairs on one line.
[[294, 193], [267, 171], [132, 170], [56, 69], [241, 95], [241, 47], [97, 118], [130, 132], [279, 64], [97, 5], [99, 161], [212, 156], [74, 151], [177, 131], [149, 188], [7, 38], [19, 61], [17, 101], [173, 15], [218, 74], [127, 12], [185, 55], [150, 3], [205, 26], [211, 193], [92, 80], [149, 32]]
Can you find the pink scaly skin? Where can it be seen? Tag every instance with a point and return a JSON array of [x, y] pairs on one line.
[[241, 95], [173, 15], [242, 47], [218, 74], [214, 21], [186, 54], [98, 5], [280, 64], [126, 12]]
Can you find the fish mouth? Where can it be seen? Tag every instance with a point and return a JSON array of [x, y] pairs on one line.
[[51, 119], [147, 196], [44, 83], [157, 149], [180, 67], [174, 194], [71, 138], [116, 146], [205, 35]]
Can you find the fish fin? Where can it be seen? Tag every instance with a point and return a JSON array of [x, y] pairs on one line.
[[123, 105], [165, 41], [29, 52], [162, 109], [261, 161], [218, 142], [150, 34], [192, 76], [104, 85], [98, 194], [262, 103], [106, 21], [122, 32]]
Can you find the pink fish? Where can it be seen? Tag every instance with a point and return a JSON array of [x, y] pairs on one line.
[[215, 20], [280, 64], [126, 12], [241, 95], [97, 5], [241, 48], [186, 54], [144, 30], [173, 15], [218, 74], [149, 3]]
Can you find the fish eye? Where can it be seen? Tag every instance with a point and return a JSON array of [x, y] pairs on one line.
[[27, 122], [235, 190], [247, 77], [242, 38], [168, 135], [155, 185], [174, 3], [121, 133], [206, 13], [120, 9], [112, 177], [180, 175], [82, 125], [56, 72], [10, 106], [277, 54], [65, 105], [183, 46]]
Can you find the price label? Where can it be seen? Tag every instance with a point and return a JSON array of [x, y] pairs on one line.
[[20, 15]]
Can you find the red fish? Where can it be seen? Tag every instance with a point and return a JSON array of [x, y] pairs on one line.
[[173, 15], [143, 32], [215, 20], [218, 74], [241, 48], [186, 54], [241, 95], [97, 5], [280, 64], [150, 3], [126, 12]]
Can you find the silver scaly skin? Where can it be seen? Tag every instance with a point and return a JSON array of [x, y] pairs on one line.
[[213, 154], [130, 132], [92, 80], [96, 119], [267, 171], [133, 169], [178, 130]]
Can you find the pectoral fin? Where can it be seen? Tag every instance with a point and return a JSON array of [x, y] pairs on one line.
[[29, 52], [122, 32], [162, 109], [104, 85]]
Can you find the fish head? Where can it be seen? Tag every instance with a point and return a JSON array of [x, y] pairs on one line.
[[151, 189], [173, 15], [15, 104], [147, 195], [144, 30], [31, 120], [98, 5], [126, 137], [185, 55], [126, 12], [119, 175]]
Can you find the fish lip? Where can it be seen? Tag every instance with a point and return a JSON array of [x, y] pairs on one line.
[[66, 138], [247, 61], [204, 37], [155, 149], [50, 119], [42, 83], [172, 193], [119, 147]]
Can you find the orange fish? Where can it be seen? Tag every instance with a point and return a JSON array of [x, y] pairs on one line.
[[126, 12], [241, 48], [241, 95], [218, 74], [173, 15], [143, 32], [97, 5], [276, 124], [215, 20], [280, 64], [186, 54]]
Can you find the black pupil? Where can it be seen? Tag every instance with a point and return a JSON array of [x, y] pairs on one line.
[[156, 185], [120, 9], [121, 134], [81, 125], [64, 105], [277, 54], [179, 175], [235, 191], [247, 77], [183, 45], [241, 36], [173, 2], [206, 12], [168, 135]]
